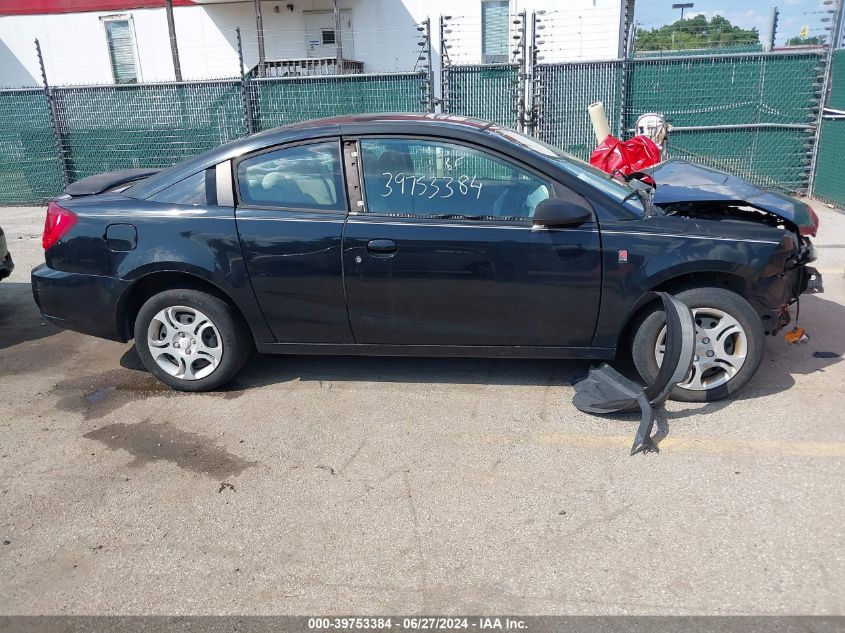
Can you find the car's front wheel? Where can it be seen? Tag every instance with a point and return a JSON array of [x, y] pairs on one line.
[[729, 341], [191, 340]]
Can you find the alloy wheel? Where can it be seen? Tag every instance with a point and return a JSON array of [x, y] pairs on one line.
[[721, 347], [184, 342]]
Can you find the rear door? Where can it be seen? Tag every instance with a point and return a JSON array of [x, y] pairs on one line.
[[445, 253], [291, 208]]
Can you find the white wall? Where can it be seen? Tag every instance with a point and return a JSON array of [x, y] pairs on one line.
[[383, 31]]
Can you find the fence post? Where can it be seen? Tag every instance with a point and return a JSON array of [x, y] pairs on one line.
[[425, 56], [522, 76], [445, 97], [58, 136], [533, 82], [828, 66], [626, 18], [246, 90]]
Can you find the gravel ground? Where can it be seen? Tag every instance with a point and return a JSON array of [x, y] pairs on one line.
[[353, 485]]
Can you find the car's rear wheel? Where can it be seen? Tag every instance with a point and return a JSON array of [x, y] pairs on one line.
[[728, 346], [191, 340]]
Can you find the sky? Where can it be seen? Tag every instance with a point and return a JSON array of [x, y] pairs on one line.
[[745, 13]]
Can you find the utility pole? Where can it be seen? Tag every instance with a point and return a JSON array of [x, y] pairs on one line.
[[337, 41], [259, 27], [174, 49]]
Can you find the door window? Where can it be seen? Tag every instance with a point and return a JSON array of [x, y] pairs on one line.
[[300, 177], [440, 179]]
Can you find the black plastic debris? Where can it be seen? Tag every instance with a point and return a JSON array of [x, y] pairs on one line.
[[605, 390], [826, 355]]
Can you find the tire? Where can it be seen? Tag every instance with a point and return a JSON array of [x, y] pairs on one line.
[[191, 340], [736, 349]]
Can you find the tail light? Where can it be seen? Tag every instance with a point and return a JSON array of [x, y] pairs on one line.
[[59, 221]]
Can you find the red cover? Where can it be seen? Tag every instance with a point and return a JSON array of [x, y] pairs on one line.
[[626, 157]]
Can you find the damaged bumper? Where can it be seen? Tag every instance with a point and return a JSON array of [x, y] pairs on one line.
[[812, 281]]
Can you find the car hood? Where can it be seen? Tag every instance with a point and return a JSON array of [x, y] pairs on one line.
[[682, 181]]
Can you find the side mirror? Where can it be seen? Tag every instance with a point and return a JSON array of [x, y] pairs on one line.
[[554, 213]]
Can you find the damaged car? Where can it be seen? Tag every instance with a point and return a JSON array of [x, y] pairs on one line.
[[421, 235]]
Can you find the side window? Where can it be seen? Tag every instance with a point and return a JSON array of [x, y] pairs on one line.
[[435, 179], [301, 177], [191, 190]]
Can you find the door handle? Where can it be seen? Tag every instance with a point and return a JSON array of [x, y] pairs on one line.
[[382, 247]]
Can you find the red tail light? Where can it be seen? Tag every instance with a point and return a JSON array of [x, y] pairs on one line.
[[59, 221]]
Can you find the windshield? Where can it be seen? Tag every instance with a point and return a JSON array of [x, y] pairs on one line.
[[616, 189]]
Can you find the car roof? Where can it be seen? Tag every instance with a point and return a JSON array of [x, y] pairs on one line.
[[396, 119]]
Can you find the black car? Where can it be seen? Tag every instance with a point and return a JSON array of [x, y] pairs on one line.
[[6, 264], [422, 235]]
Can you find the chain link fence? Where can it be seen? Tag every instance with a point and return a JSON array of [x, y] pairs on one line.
[[564, 92], [488, 92], [830, 181], [288, 100], [753, 114], [30, 170], [104, 128]]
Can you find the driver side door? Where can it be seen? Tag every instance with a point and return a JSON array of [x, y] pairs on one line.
[[444, 251]]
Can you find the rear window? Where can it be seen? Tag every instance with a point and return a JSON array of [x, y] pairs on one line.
[[190, 191]]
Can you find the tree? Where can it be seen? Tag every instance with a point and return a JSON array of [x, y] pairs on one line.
[[816, 40], [695, 32]]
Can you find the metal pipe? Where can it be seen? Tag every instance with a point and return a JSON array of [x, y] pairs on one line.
[[687, 58], [174, 49], [738, 126]]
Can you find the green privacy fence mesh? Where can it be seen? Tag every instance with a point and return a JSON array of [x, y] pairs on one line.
[[29, 164], [283, 101], [769, 99], [830, 168], [104, 128], [727, 90], [756, 93], [484, 91]]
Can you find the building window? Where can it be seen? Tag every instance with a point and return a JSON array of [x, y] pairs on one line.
[[328, 36], [121, 43], [494, 31]]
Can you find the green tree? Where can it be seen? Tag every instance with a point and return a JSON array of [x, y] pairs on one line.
[[695, 32], [806, 41]]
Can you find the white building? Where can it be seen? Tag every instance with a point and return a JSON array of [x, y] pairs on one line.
[[128, 41]]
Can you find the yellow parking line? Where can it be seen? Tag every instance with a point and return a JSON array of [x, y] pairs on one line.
[[707, 445]]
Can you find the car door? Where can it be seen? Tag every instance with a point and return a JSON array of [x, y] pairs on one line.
[[444, 252], [291, 208]]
